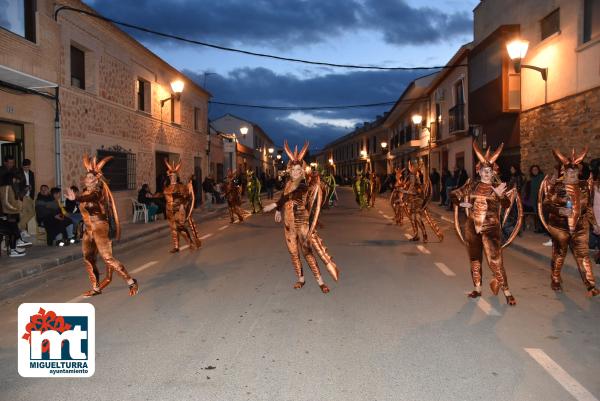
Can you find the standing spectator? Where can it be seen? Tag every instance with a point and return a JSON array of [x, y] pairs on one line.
[[530, 195], [11, 209], [8, 165], [451, 181], [443, 192], [434, 177], [462, 177], [516, 178], [27, 186], [595, 235], [209, 189], [270, 186]]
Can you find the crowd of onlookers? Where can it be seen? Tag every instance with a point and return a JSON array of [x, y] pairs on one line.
[[19, 205]]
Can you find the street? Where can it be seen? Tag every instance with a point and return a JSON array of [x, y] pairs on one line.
[[224, 323]]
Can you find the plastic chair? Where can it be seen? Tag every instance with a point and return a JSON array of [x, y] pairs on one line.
[[140, 212]]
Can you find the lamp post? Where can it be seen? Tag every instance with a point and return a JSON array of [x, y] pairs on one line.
[[417, 119], [517, 50], [177, 88]]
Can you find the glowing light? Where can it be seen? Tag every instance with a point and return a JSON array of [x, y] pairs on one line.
[[244, 131], [517, 49], [383, 145], [417, 119], [271, 150], [177, 86]]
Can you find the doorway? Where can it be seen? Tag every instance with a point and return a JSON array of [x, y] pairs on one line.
[[11, 141]]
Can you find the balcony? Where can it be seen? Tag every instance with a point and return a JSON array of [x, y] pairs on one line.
[[456, 120]]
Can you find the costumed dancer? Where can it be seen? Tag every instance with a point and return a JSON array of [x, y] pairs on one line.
[[253, 188], [374, 188], [97, 207], [329, 179], [233, 194], [301, 205], [483, 202], [417, 195], [179, 207], [361, 189], [397, 200], [568, 203]]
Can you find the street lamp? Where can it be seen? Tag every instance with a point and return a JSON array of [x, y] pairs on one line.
[[384, 145], [244, 131], [271, 150], [417, 119], [278, 157], [331, 161], [177, 88], [363, 153], [517, 50]]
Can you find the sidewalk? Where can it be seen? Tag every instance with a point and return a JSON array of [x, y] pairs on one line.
[[41, 258], [529, 243]]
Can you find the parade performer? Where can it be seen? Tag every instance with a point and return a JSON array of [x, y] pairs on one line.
[[98, 209], [329, 180], [233, 194], [417, 196], [300, 203], [253, 188], [374, 188], [483, 202], [568, 204], [179, 206], [397, 200], [361, 189]]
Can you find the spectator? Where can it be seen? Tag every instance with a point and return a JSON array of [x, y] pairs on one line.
[[26, 188], [462, 177], [434, 177], [11, 209], [50, 216], [595, 235], [146, 197], [530, 195], [451, 181], [209, 189], [443, 179], [516, 178], [270, 186], [73, 212], [8, 165]]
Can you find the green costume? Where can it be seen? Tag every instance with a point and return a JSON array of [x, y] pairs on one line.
[[361, 190], [329, 180], [253, 189]]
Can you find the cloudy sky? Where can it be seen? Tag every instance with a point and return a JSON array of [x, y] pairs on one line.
[[366, 32]]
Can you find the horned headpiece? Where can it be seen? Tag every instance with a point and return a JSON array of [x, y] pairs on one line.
[[93, 165], [416, 168], [487, 160], [570, 162], [172, 168], [295, 157]]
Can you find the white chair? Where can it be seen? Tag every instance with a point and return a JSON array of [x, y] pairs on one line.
[[140, 212]]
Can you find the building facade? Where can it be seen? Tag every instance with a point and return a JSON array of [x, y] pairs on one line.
[[115, 98]]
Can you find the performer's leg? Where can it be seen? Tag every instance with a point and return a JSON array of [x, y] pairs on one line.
[[560, 244], [195, 235], [174, 233], [421, 226], [475, 251], [89, 259], [414, 224], [104, 245], [231, 214], [579, 247], [291, 241], [240, 214], [310, 259], [492, 245]]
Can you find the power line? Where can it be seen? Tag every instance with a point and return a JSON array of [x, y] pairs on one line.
[[306, 108], [247, 52]]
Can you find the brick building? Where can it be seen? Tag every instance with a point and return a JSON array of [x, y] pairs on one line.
[[114, 98]]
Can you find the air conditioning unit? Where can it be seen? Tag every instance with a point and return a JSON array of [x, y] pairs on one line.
[[440, 94]]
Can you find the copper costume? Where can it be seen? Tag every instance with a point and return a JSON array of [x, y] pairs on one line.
[[96, 204], [416, 196], [397, 199], [483, 227], [374, 188], [233, 194], [300, 203], [179, 207], [568, 206]]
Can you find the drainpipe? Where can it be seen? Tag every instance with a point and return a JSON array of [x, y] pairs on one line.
[[57, 144]]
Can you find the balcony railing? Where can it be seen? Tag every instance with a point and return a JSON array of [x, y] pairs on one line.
[[457, 118]]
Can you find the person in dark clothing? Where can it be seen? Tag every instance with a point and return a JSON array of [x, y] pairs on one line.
[[73, 212], [8, 165], [208, 186], [146, 197], [443, 190], [434, 177], [451, 181], [530, 195], [53, 218], [270, 186]]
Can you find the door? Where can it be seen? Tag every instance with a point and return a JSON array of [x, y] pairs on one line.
[[198, 180], [11, 142], [161, 170]]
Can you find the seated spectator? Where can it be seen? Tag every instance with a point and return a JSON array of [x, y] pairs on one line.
[[11, 208], [146, 197], [51, 217], [73, 212]]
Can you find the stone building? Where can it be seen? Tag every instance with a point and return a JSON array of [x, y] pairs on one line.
[[562, 110], [115, 97]]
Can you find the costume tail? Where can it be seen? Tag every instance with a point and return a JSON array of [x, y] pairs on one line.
[[434, 226]]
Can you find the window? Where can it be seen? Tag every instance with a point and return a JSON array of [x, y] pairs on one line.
[[551, 24], [143, 95], [77, 68], [18, 16], [120, 171], [198, 119], [591, 20]]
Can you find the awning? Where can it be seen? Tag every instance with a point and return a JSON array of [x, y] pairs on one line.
[[20, 79]]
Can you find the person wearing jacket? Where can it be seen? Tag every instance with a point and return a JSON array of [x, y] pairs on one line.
[[11, 209]]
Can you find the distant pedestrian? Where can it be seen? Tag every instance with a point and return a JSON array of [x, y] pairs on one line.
[[434, 177]]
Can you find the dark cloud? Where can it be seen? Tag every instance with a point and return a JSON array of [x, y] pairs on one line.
[[265, 87], [288, 23]]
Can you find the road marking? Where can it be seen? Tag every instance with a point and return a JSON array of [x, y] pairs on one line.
[[144, 266], [423, 250], [560, 375], [407, 235], [76, 299], [206, 236], [445, 269], [224, 227], [182, 248], [386, 216], [380, 212], [447, 219], [487, 308]]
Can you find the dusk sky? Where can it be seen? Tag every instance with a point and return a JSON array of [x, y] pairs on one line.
[[367, 32]]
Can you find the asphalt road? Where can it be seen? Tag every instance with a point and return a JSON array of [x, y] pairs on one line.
[[397, 326]]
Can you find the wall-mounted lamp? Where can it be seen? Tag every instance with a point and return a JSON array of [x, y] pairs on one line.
[[177, 88], [271, 150], [384, 145], [278, 157], [331, 161], [417, 119], [517, 50], [363, 153], [244, 131]]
